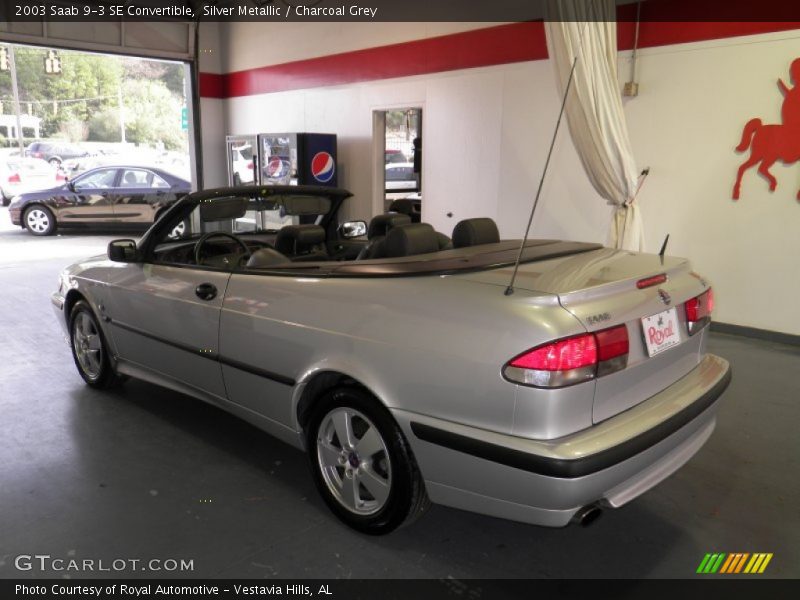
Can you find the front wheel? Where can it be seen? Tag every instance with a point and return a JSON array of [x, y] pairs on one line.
[[89, 349], [362, 464], [39, 220]]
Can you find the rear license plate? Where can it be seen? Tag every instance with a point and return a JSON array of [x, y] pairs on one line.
[[661, 331]]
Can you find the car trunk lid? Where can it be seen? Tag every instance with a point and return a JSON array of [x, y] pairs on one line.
[[599, 288]]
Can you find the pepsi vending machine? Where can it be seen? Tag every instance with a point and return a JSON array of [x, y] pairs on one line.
[[297, 159]]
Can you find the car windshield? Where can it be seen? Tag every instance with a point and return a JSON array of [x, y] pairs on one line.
[[254, 216]]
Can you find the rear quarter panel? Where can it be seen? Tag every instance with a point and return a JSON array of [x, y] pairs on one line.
[[433, 345]]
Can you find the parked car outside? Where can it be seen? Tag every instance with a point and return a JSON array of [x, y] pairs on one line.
[[21, 174], [392, 155], [111, 195], [415, 377], [400, 176], [55, 152]]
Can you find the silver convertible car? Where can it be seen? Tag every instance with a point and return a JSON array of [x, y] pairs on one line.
[[394, 357]]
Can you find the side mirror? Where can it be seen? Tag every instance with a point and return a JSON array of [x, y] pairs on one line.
[[353, 229], [123, 251], [71, 185]]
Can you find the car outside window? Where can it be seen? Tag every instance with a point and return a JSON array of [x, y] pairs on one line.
[[140, 178], [99, 180]]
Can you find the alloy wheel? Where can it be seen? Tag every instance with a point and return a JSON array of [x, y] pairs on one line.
[[354, 461], [87, 345]]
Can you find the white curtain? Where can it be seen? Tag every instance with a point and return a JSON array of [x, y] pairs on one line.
[[587, 28]]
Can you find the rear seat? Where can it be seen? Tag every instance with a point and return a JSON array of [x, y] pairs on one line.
[[475, 232], [379, 226]]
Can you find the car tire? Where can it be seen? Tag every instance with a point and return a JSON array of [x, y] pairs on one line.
[[39, 220], [55, 161], [4, 199], [374, 491], [89, 348]]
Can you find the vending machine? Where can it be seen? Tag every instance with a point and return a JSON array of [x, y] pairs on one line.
[[297, 159], [241, 154]]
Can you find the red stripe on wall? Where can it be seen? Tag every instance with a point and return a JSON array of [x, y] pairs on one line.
[[503, 44], [498, 45], [212, 85]]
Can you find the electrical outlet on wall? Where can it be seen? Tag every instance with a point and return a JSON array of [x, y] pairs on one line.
[[630, 89]]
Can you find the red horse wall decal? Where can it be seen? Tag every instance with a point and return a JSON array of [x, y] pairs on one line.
[[771, 143]]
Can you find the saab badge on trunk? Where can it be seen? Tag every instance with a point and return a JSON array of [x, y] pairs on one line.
[[665, 297]]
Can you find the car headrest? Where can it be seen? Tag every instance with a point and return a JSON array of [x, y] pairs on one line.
[[408, 240], [295, 238], [266, 257], [381, 224], [403, 206], [473, 232]]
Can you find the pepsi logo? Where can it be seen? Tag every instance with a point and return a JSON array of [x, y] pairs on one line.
[[275, 167], [323, 167]]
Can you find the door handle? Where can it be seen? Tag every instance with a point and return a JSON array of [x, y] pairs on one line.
[[206, 291]]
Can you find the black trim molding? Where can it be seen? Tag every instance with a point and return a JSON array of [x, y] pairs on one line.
[[569, 469], [210, 355], [256, 371], [759, 334]]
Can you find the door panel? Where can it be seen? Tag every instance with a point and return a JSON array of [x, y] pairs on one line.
[[92, 199], [158, 321], [257, 358], [141, 193]]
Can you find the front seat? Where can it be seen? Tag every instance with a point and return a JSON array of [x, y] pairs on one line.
[[379, 226], [474, 232], [302, 243], [406, 207], [410, 240], [265, 258]]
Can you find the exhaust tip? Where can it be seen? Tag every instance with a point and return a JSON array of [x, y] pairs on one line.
[[588, 515]]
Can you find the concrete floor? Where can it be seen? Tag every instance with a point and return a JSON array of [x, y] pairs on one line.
[[147, 473]]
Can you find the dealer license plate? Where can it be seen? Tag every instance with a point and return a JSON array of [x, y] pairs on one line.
[[661, 331]]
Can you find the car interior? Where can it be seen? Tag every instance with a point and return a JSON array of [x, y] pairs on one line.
[[241, 232]]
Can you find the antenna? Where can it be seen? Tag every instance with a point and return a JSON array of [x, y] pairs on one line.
[[663, 248], [510, 288]]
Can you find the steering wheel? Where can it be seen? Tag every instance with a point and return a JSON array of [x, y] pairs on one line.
[[198, 247]]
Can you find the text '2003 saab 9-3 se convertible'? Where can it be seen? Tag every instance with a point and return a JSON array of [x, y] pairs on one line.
[[398, 363]]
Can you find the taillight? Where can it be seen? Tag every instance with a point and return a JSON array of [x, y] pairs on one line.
[[571, 360], [15, 178], [60, 176], [698, 311], [612, 350]]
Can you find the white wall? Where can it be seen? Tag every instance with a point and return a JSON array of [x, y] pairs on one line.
[[694, 100], [245, 46], [486, 132]]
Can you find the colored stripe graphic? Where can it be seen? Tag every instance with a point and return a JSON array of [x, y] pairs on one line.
[[724, 563]]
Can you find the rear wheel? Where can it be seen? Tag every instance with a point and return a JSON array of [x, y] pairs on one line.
[[89, 348], [55, 161], [39, 220], [362, 464]]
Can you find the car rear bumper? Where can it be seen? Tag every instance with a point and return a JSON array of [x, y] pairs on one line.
[[547, 481]]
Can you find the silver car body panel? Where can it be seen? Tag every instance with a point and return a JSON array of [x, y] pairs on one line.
[[431, 349]]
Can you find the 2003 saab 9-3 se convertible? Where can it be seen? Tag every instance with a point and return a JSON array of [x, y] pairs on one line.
[[398, 363]]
